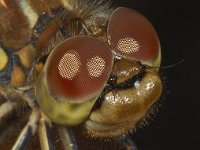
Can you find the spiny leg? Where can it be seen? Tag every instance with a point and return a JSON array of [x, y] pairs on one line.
[[44, 134], [128, 142], [28, 131], [67, 138], [14, 98], [31, 127]]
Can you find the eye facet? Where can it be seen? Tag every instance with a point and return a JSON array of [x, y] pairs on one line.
[[132, 36], [74, 75], [75, 65]]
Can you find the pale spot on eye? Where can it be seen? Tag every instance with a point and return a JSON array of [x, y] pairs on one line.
[[95, 66], [69, 65], [128, 45]]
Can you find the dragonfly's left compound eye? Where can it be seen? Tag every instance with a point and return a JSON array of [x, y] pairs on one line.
[[74, 76]]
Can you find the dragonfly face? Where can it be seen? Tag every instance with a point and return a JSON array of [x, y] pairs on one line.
[[73, 65]]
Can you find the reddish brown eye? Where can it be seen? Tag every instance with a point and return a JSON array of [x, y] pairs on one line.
[[79, 68], [132, 36], [73, 77]]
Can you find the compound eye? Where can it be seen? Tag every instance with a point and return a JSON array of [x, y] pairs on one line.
[[132, 36], [78, 69]]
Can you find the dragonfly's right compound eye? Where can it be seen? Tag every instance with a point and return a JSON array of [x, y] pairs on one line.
[[74, 75], [132, 36]]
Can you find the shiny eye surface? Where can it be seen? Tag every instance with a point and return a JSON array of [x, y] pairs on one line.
[[75, 65], [132, 36], [74, 75]]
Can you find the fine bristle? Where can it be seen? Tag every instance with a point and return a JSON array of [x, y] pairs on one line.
[[92, 14]]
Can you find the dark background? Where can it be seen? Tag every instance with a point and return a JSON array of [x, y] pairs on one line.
[[176, 126]]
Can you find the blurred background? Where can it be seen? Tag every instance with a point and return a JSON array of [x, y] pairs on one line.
[[177, 124]]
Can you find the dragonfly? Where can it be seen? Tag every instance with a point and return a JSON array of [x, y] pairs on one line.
[[67, 63]]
